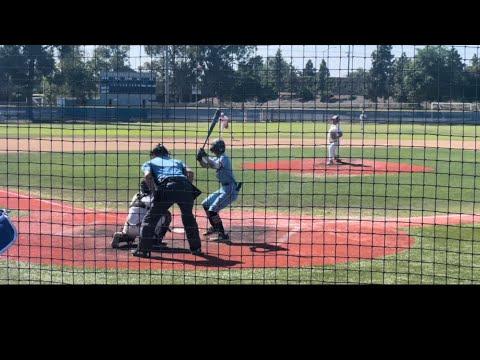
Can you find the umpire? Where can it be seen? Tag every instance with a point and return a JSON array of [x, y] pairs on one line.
[[171, 181]]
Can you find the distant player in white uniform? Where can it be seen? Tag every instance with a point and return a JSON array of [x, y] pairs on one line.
[[224, 123], [137, 210], [334, 135], [363, 117]]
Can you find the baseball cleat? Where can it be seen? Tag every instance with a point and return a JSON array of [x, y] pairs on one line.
[[222, 237], [159, 246], [210, 231], [330, 162], [142, 253], [196, 252]]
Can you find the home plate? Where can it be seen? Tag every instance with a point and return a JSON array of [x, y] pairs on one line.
[[178, 230]]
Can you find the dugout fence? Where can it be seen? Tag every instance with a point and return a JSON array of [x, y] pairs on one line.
[[388, 195]]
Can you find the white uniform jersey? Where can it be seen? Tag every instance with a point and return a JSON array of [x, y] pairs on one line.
[[363, 117], [224, 121], [136, 215], [333, 134]]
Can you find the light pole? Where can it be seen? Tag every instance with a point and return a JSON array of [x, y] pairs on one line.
[[348, 57], [167, 95]]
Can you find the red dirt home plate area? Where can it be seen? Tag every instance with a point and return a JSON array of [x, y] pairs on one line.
[[350, 167], [55, 233]]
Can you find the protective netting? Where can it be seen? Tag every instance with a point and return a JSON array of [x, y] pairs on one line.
[[337, 164]]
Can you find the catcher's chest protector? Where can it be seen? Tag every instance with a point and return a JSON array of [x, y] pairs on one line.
[[8, 232]]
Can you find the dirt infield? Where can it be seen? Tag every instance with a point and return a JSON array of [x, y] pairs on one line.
[[55, 233], [113, 144], [348, 167]]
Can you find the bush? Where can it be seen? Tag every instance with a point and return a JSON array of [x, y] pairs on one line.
[[306, 94]]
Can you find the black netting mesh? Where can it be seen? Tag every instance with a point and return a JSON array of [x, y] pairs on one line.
[[339, 164]]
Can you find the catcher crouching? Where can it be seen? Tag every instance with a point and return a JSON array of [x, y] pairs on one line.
[[138, 208]]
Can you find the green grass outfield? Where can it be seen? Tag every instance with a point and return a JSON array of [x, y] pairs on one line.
[[296, 130], [440, 255], [109, 180]]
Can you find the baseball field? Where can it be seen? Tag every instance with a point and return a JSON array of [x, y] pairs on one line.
[[402, 208]]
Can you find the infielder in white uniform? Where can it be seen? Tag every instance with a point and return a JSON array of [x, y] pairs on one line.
[[137, 210], [334, 135], [363, 117]]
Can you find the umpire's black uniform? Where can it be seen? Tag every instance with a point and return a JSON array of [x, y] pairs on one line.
[[171, 186]]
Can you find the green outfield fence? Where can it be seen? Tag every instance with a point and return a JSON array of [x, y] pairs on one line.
[[386, 195]]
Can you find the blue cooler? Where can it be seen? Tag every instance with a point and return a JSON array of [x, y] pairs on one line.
[[8, 232]]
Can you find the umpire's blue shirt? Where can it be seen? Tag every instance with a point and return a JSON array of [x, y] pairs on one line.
[[163, 167]]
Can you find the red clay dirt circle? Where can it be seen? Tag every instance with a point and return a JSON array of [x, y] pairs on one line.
[[350, 167], [55, 233]]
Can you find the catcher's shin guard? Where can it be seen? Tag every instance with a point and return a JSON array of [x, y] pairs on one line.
[[163, 226], [216, 222]]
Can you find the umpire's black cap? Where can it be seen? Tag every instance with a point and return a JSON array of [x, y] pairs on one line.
[[159, 150]]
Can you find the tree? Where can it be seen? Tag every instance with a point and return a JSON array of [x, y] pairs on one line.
[[322, 82], [24, 67], [278, 71], [401, 72], [12, 71], [158, 65], [308, 89], [380, 75], [72, 77], [250, 82], [473, 79], [475, 64], [184, 73], [438, 74], [218, 78], [110, 58], [357, 82]]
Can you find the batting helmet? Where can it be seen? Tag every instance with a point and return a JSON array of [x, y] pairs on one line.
[[159, 150], [335, 118], [218, 147]]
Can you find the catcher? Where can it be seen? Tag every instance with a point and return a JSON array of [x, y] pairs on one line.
[[140, 204], [223, 197], [334, 135]]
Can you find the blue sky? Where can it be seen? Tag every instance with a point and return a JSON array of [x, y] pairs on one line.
[[335, 55]]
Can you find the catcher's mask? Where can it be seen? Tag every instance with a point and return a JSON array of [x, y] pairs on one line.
[[218, 147], [159, 150], [144, 188]]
